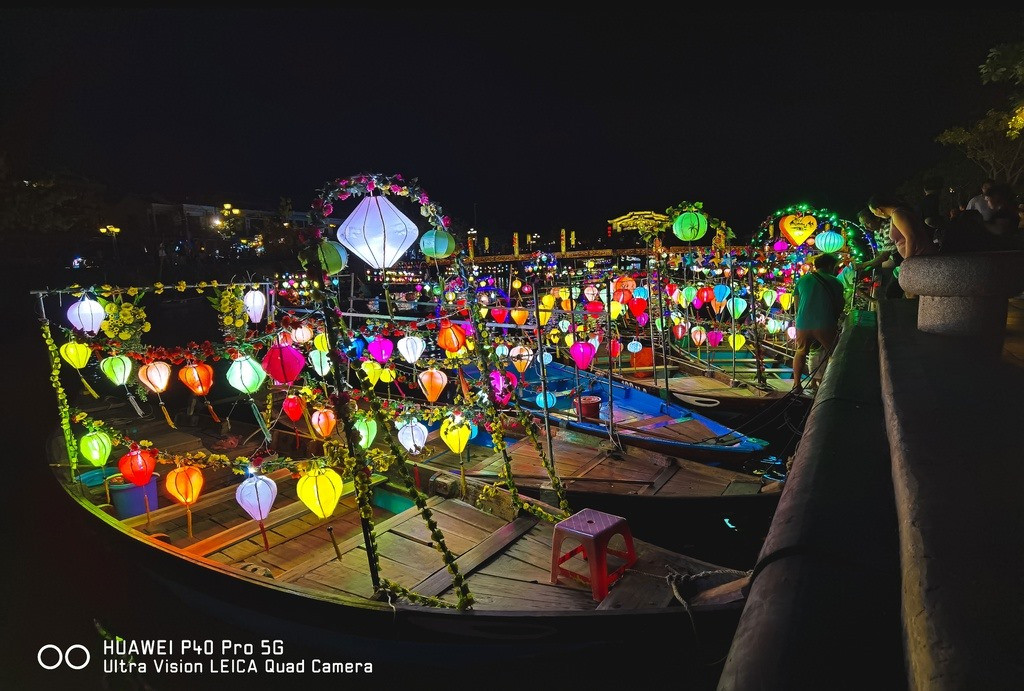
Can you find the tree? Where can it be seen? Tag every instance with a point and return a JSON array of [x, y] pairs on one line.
[[987, 144], [1005, 63]]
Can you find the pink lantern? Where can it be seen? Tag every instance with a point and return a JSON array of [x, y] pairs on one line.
[[381, 349], [642, 319], [582, 353], [283, 363], [715, 338]]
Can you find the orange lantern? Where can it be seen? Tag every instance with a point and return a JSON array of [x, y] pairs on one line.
[[432, 382], [625, 283], [324, 421], [184, 484], [520, 315], [451, 337], [199, 378], [156, 376]]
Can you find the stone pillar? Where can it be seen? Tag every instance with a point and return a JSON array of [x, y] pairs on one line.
[[965, 295]]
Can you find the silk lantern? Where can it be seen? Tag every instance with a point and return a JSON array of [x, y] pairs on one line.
[[519, 315], [117, 368], [715, 338], [137, 467], [829, 241], [690, 225], [380, 349], [320, 490], [302, 333], [736, 341], [184, 484], [367, 428], [95, 447], [333, 257], [256, 495], [372, 370], [77, 355], [323, 421], [544, 313], [706, 294], [521, 356], [634, 346], [432, 381], [320, 362], [545, 400], [156, 376], [377, 232], [451, 337], [769, 296], [582, 353], [413, 436], [456, 436], [437, 244], [320, 342], [245, 374], [86, 315], [736, 307], [615, 347], [283, 363], [198, 378], [721, 291], [698, 335], [637, 306], [255, 302], [293, 407], [786, 299]]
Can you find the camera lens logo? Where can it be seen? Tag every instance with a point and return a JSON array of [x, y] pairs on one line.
[[51, 656]]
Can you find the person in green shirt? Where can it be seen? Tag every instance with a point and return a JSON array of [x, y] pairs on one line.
[[818, 300]]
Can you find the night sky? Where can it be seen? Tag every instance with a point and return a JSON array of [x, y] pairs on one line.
[[528, 121]]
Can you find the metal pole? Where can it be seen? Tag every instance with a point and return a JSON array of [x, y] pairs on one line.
[[758, 355], [543, 373], [608, 348], [664, 354], [732, 296], [575, 370]]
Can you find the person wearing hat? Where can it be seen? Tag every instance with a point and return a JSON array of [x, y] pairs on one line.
[[818, 302]]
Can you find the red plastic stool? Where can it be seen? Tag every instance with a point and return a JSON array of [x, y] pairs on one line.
[[593, 529]]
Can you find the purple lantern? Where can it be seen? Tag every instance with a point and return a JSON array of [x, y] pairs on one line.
[[583, 353], [381, 349]]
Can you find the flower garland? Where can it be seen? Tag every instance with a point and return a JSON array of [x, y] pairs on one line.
[[62, 397]]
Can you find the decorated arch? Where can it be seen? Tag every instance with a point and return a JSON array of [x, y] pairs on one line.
[[801, 230]]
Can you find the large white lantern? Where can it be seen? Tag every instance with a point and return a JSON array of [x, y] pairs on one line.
[[413, 436], [411, 347], [255, 302], [377, 232], [86, 315]]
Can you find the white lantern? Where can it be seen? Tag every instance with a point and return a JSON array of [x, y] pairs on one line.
[[321, 363], [377, 232], [411, 347], [302, 334], [413, 436], [255, 302], [256, 495], [86, 315]]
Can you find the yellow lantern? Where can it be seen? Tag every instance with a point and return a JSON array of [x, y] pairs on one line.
[[568, 340], [786, 299], [521, 356], [519, 315], [615, 309], [372, 369], [456, 436], [320, 342], [547, 303], [77, 355], [184, 483], [387, 375], [736, 341], [320, 490]]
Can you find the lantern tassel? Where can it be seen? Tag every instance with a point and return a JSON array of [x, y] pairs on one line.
[[309, 423], [167, 416], [296, 430], [260, 421], [135, 404], [188, 520], [87, 387], [145, 497], [209, 407], [263, 532]]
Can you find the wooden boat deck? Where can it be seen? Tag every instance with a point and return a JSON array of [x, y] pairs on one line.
[[506, 558]]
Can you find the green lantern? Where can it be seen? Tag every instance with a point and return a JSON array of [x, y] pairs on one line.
[[690, 226], [437, 244], [95, 447], [367, 428], [829, 241], [333, 257], [246, 375], [118, 369]]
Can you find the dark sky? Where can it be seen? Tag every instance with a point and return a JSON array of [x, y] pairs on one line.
[[527, 120]]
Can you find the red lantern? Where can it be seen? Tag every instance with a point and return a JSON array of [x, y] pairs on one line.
[[499, 314], [137, 465], [637, 306], [625, 283], [615, 348], [284, 362], [679, 331], [706, 294], [292, 407], [451, 337]]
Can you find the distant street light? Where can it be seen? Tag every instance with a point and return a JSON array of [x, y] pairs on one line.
[[113, 232]]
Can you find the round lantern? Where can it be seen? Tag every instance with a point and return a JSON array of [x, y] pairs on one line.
[[413, 436], [118, 369], [411, 348], [320, 490], [245, 374], [198, 378], [283, 363], [377, 232], [256, 495], [451, 337], [320, 342], [380, 349], [333, 257], [634, 346], [367, 428], [521, 356], [437, 244], [323, 421], [320, 362], [829, 241], [76, 354], [137, 465], [546, 400], [432, 382], [302, 333], [690, 225], [86, 315], [582, 353], [455, 435], [255, 302], [95, 447], [184, 485]]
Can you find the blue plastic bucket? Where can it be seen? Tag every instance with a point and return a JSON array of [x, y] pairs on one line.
[[130, 500], [94, 478]]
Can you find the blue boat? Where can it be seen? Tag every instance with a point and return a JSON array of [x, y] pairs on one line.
[[639, 418]]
